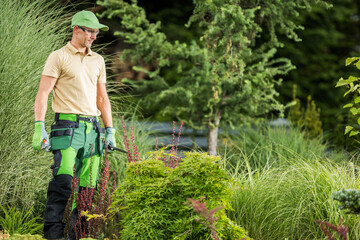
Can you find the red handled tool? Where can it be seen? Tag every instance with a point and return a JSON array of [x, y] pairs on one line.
[[45, 145]]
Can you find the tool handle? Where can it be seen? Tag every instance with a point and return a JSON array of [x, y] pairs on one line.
[[45, 145], [117, 149]]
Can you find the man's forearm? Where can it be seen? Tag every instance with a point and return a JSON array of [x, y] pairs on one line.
[[105, 109], [103, 104], [40, 107]]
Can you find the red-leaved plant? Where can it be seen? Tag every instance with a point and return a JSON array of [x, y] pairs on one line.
[[132, 156], [207, 215], [92, 206], [342, 231], [172, 159]]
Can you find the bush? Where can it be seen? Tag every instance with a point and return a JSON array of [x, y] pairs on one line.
[[151, 199]]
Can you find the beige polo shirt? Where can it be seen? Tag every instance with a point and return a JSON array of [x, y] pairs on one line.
[[77, 78]]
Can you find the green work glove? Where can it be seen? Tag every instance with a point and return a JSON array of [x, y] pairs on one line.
[[40, 139], [110, 138]]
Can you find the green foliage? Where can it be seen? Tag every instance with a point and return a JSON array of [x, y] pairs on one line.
[[310, 120], [25, 237], [328, 38], [19, 221], [296, 113], [263, 147], [349, 199], [151, 199], [225, 66], [285, 202], [352, 83], [30, 31]]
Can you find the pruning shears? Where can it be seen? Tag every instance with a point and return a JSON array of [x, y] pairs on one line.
[[45, 146], [117, 149]]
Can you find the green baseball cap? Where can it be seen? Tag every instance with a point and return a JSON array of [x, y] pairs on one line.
[[87, 19]]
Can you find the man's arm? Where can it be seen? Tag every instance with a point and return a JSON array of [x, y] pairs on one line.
[[46, 85], [103, 104]]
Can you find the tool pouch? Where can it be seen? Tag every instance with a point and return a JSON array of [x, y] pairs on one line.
[[62, 132]]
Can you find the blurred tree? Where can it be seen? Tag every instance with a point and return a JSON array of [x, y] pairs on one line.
[[329, 37], [228, 74]]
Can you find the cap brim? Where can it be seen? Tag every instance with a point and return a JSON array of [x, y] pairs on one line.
[[94, 26], [98, 26]]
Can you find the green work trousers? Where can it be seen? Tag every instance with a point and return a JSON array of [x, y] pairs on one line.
[[77, 147]]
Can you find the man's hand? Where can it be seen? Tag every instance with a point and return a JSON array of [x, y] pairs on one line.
[[110, 138], [40, 138]]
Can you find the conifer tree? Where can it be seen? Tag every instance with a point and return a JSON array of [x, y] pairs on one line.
[[228, 75]]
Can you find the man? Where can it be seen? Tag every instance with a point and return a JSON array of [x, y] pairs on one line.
[[77, 77]]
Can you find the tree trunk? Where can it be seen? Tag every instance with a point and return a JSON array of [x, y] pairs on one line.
[[213, 135]]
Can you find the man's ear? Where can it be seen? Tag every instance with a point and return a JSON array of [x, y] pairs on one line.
[[76, 28]]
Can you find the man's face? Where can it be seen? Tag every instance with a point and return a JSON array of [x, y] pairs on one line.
[[86, 36]]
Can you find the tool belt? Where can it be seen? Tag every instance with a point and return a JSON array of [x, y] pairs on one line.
[[62, 130], [75, 118]]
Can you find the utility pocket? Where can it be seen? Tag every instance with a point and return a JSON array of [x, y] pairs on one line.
[[62, 132], [101, 140]]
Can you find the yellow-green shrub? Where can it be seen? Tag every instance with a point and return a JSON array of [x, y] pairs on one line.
[[151, 199]]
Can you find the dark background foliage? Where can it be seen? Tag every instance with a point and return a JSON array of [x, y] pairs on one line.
[[329, 37]]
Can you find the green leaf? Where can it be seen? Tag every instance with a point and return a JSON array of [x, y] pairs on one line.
[[348, 105], [350, 60], [352, 79], [354, 111], [354, 133], [341, 82], [357, 64], [358, 121], [348, 129], [357, 100]]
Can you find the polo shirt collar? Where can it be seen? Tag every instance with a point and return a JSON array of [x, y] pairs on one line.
[[75, 51]]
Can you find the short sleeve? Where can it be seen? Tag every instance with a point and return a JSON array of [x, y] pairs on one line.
[[102, 73], [52, 66]]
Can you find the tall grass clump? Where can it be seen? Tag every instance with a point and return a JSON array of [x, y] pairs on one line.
[[19, 221], [285, 202], [263, 147], [30, 30]]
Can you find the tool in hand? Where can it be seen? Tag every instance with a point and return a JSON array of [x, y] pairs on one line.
[[45, 145], [117, 149]]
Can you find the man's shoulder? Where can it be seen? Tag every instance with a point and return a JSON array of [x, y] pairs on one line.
[[97, 55], [58, 52]]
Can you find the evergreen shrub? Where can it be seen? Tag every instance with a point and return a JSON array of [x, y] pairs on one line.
[[308, 120], [151, 199]]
